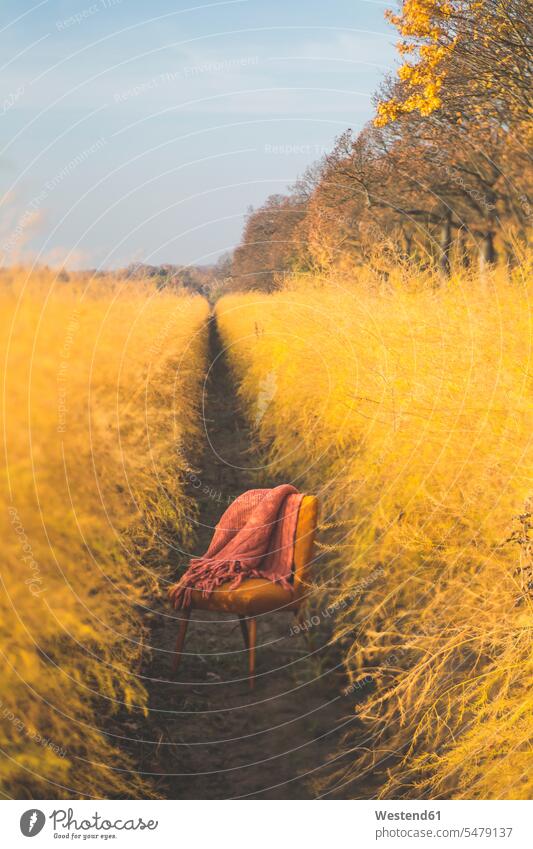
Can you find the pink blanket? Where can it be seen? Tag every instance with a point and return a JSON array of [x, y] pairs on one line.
[[253, 539]]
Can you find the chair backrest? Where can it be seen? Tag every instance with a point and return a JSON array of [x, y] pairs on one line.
[[305, 536]]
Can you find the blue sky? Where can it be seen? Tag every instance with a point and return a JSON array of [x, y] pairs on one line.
[[134, 131]]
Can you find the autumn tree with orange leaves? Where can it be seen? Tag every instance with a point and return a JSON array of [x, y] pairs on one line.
[[473, 55]]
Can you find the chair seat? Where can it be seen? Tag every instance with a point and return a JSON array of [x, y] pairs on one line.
[[251, 598]]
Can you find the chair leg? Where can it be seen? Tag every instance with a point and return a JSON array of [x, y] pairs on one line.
[[252, 631], [180, 640], [244, 629]]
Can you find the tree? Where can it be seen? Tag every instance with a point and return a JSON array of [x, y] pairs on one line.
[[473, 55], [267, 248]]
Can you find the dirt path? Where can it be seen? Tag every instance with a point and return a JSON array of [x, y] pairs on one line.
[[213, 739]]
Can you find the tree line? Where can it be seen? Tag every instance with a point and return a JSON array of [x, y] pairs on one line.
[[441, 175]]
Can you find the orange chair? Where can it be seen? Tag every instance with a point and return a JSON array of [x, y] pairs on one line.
[[256, 596]]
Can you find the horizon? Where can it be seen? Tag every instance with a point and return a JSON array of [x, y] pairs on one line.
[[132, 139]]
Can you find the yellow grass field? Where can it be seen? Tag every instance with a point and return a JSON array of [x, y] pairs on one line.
[[408, 406], [102, 382]]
